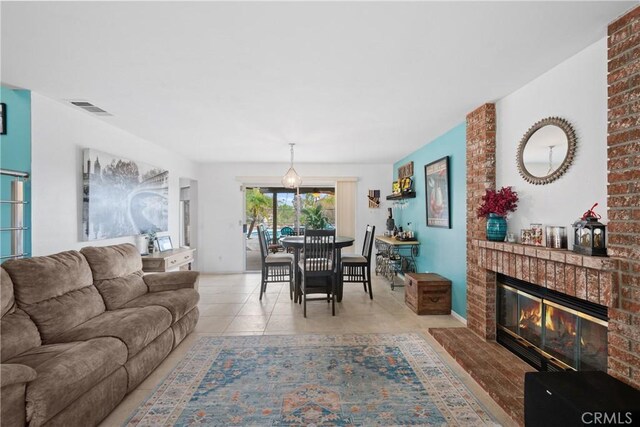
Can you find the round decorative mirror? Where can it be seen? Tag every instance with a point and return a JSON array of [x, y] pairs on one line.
[[546, 150]]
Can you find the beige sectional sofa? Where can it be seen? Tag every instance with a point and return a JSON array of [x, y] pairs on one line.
[[79, 330]]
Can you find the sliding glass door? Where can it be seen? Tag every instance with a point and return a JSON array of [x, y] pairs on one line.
[[275, 208]]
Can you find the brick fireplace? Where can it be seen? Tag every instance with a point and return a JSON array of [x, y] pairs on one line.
[[613, 282], [624, 194], [585, 278]]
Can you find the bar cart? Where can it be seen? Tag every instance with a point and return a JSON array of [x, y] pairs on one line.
[[395, 257]]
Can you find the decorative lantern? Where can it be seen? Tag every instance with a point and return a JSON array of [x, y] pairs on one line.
[[589, 235]]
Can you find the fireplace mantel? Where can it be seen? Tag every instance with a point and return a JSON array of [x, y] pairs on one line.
[[590, 278]]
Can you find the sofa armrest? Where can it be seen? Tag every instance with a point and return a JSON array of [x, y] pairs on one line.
[[13, 384], [171, 281], [11, 373]]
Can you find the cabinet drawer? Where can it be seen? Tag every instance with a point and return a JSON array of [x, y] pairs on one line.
[[179, 259], [169, 260]]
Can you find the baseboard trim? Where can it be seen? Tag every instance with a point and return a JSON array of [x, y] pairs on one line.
[[458, 317]]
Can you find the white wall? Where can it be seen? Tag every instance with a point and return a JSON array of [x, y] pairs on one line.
[[222, 244], [59, 134], [575, 90]]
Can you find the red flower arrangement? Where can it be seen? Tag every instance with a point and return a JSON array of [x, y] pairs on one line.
[[499, 202]]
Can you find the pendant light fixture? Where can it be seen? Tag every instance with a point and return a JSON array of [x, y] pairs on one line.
[[291, 179]]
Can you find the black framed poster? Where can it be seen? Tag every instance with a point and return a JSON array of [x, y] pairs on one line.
[[437, 186], [3, 118]]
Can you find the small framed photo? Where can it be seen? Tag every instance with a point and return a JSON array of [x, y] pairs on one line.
[[536, 234], [3, 118], [164, 243]]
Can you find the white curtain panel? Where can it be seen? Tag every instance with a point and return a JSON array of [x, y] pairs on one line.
[[346, 211]]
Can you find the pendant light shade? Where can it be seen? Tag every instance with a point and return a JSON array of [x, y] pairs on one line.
[[291, 179]]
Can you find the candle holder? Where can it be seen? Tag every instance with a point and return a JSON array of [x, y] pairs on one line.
[[589, 235], [556, 237]]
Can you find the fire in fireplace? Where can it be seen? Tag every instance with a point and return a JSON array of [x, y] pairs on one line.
[[549, 330]]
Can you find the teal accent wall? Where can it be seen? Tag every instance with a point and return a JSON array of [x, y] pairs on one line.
[[15, 154], [442, 250]]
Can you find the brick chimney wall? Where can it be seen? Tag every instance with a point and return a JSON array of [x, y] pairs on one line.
[[624, 193], [623, 203], [481, 174]]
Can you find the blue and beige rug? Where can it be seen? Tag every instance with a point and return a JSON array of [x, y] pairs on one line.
[[318, 380]]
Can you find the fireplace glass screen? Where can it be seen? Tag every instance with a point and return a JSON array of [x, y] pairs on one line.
[[593, 347], [559, 333], [520, 314], [530, 319]]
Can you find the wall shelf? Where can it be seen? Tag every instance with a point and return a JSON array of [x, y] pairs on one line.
[[402, 196]]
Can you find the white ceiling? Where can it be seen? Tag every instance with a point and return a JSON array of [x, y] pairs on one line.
[[236, 81]]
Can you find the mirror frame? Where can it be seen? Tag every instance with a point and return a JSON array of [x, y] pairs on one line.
[[571, 150]]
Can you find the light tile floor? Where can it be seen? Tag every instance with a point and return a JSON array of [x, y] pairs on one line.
[[230, 305]]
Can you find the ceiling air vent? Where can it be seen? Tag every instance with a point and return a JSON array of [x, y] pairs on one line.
[[87, 106]]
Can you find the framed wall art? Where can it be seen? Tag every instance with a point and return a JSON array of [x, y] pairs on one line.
[[122, 197], [374, 198], [437, 194], [3, 118]]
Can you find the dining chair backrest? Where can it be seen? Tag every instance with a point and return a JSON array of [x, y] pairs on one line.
[[368, 241], [262, 236], [267, 234], [319, 250]]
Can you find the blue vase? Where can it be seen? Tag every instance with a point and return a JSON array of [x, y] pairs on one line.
[[496, 228]]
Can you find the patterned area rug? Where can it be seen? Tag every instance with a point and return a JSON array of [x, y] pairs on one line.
[[328, 380]]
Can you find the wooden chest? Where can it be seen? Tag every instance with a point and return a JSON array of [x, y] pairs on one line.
[[427, 293]]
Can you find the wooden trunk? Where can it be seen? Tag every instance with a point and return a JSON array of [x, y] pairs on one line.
[[427, 293]]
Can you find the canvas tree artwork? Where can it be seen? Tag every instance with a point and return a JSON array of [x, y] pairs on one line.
[[122, 197]]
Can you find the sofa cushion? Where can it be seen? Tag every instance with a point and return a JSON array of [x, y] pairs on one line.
[[107, 262], [7, 301], [118, 291], [142, 364], [136, 327], [185, 326], [178, 302], [95, 405], [117, 273], [18, 333], [66, 371], [56, 291], [40, 278]]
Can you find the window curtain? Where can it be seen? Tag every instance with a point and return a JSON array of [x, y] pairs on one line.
[[346, 211]]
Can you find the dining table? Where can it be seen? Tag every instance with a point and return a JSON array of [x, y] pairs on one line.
[[297, 243]]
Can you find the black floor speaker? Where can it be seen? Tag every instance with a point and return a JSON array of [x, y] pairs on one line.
[[579, 399]]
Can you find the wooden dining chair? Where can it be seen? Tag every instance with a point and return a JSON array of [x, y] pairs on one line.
[[272, 245], [357, 268], [318, 267], [277, 267]]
